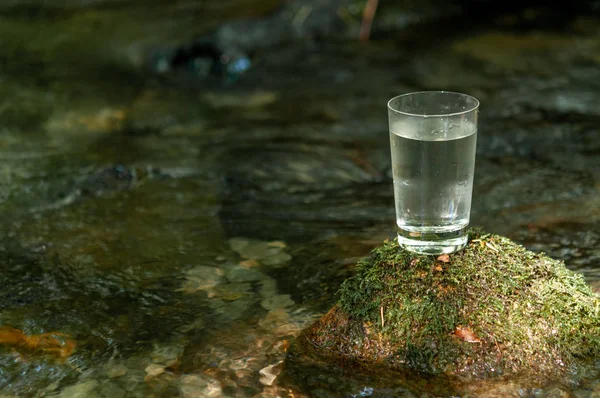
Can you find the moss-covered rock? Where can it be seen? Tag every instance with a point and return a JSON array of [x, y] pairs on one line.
[[492, 309]]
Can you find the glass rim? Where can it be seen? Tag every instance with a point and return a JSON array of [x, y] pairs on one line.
[[471, 109]]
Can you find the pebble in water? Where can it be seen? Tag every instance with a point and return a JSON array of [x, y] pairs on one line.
[[154, 370], [82, 389], [556, 393], [133, 379], [271, 254], [115, 369], [242, 274], [202, 278], [249, 354], [196, 386], [274, 319], [234, 310], [111, 390], [278, 259], [197, 324], [166, 355], [268, 287], [277, 302], [230, 287], [269, 374], [232, 291]]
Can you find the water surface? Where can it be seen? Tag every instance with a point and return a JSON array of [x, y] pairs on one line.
[[168, 233]]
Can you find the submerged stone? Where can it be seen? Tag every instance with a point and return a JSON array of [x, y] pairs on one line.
[[277, 302], [79, 390], [494, 309]]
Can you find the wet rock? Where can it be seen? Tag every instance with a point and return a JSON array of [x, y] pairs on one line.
[[277, 259], [249, 248], [111, 390], [479, 307], [233, 291], [557, 393], [235, 307], [277, 302], [287, 330], [504, 390], [268, 287], [83, 389], [154, 370], [115, 369], [166, 355], [195, 386], [269, 374], [271, 254], [198, 324], [242, 274], [238, 244], [192, 385], [115, 178], [133, 380], [249, 263], [202, 278], [274, 319]]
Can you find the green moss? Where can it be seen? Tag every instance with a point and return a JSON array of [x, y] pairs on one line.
[[494, 308]]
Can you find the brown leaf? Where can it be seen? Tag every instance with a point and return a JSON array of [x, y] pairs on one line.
[[56, 344], [414, 262], [444, 258], [438, 268], [466, 334]]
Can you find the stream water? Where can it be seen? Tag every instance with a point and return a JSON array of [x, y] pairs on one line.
[[168, 230]]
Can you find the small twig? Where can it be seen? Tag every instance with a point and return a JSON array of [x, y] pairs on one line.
[[481, 242], [492, 246], [382, 318], [497, 346], [487, 243], [367, 21]]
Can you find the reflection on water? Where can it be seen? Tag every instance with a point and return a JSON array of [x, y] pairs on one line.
[[169, 236]]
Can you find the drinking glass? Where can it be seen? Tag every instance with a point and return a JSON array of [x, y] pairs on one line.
[[433, 135]]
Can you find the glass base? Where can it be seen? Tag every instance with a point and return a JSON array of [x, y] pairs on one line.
[[428, 241]]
